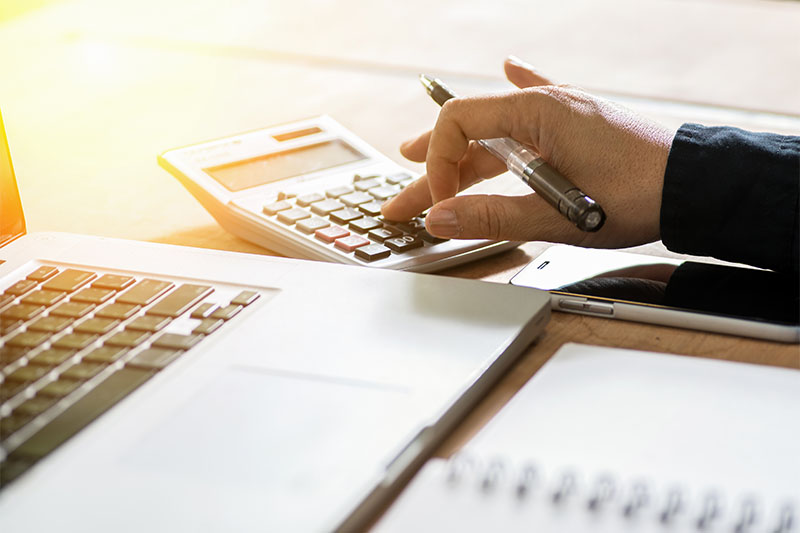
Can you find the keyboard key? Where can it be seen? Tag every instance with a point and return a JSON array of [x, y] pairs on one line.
[[118, 311], [8, 355], [28, 339], [367, 184], [82, 371], [384, 192], [204, 310], [21, 287], [331, 233], [381, 234], [96, 325], [27, 374], [293, 215], [51, 357], [208, 326], [105, 354], [43, 273], [75, 341], [113, 282], [21, 312], [336, 192], [427, 237], [151, 323], [154, 359], [11, 424], [355, 198], [35, 406], [227, 312], [373, 252], [245, 298], [58, 388], [343, 216], [9, 325], [396, 179], [180, 300], [326, 207], [404, 243], [372, 209], [128, 338], [93, 295], [69, 280], [306, 200], [276, 207], [350, 243], [43, 297], [79, 414], [50, 323], [174, 341], [310, 225], [144, 292], [11, 389], [6, 299], [73, 309], [413, 226]]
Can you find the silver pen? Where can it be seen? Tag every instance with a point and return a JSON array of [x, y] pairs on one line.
[[521, 161]]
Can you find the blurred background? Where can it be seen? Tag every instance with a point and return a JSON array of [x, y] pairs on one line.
[[92, 90]]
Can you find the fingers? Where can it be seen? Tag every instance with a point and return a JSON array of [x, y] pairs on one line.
[[477, 164], [416, 149], [523, 74]]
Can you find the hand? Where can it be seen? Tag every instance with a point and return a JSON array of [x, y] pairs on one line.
[[613, 155]]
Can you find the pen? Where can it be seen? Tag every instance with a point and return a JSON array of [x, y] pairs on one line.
[[546, 181]]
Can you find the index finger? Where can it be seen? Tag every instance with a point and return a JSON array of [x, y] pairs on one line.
[[514, 114]]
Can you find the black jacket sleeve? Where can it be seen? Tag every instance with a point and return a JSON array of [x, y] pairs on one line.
[[733, 195]]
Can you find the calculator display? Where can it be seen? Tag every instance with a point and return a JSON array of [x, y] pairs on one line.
[[286, 164]]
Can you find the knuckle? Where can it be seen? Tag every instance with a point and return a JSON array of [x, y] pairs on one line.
[[491, 217]]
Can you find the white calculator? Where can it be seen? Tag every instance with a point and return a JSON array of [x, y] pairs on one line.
[[312, 189]]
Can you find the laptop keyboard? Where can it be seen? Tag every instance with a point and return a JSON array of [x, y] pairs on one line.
[[74, 342]]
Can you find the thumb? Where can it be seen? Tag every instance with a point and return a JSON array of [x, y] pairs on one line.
[[523, 74], [495, 217]]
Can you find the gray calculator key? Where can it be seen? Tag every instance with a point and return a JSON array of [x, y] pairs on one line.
[[69, 280], [363, 225], [343, 216], [367, 184], [358, 177], [404, 243], [336, 192], [398, 178], [305, 200], [355, 198], [275, 207], [144, 292], [180, 300], [310, 225], [385, 192], [326, 207], [285, 195], [373, 252], [293, 215], [381, 234], [372, 209]]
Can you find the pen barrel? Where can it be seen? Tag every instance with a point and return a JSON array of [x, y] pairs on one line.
[[564, 196]]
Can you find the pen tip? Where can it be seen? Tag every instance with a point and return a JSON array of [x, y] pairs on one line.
[[426, 80]]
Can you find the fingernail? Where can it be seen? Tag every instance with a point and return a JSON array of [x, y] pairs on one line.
[[514, 60], [443, 223]]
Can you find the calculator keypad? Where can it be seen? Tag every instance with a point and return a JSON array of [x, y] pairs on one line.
[[348, 218]]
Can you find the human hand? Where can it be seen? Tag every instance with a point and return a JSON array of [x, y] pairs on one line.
[[613, 155]]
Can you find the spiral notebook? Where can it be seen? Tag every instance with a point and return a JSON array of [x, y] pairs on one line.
[[611, 440]]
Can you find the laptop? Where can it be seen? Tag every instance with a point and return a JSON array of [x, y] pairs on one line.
[[149, 387]]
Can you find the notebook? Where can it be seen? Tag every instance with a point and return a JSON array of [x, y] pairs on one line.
[[604, 439], [149, 387]]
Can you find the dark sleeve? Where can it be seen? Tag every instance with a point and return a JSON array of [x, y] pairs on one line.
[[733, 195]]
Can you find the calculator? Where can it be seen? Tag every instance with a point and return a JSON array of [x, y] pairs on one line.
[[312, 189]]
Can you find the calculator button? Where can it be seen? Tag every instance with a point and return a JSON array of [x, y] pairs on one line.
[[343, 216], [144, 292], [43, 297], [43, 273], [359, 177], [404, 243], [120, 311], [373, 252], [398, 178], [336, 192], [99, 326], [284, 195], [366, 185], [293, 215], [94, 295], [306, 200], [275, 207], [69, 280], [21, 287], [21, 312], [113, 282], [384, 192], [355, 198], [245, 298], [372, 209], [180, 300], [331, 233], [381, 234], [363, 225], [73, 309], [413, 226], [350, 243], [310, 225], [427, 237], [326, 207]]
